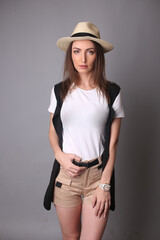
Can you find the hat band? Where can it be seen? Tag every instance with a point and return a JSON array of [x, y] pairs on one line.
[[83, 34]]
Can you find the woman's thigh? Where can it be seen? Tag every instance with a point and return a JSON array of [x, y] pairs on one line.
[[70, 221], [92, 226]]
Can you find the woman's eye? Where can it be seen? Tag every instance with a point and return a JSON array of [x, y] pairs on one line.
[[76, 51], [91, 52]]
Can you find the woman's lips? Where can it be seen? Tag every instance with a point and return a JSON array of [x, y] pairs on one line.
[[83, 66]]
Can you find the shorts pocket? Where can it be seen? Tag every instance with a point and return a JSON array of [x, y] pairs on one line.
[[95, 173], [62, 180]]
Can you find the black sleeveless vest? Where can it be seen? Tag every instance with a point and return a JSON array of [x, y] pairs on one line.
[[114, 90]]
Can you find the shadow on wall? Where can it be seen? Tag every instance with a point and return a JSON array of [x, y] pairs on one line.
[[139, 165]]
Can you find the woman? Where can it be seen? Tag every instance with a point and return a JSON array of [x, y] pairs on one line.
[[85, 121]]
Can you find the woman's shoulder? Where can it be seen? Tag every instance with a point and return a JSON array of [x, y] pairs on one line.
[[58, 85], [114, 90], [114, 86], [57, 88]]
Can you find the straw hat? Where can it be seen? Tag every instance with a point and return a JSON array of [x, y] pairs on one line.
[[84, 31]]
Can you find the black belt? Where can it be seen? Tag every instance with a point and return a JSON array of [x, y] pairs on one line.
[[86, 164]]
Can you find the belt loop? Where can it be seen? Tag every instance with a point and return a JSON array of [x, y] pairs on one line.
[[100, 159], [87, 164]]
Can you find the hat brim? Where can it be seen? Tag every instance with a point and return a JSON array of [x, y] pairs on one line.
[[63, 43]]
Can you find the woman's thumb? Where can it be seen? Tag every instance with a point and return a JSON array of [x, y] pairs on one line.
[[77, 158]]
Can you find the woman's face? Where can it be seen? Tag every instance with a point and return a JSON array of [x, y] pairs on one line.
[[83, 56]]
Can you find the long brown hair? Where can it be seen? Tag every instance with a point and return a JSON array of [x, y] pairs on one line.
[[70, 74]]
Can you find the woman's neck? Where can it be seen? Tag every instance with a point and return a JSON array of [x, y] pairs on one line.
[[86, 82]]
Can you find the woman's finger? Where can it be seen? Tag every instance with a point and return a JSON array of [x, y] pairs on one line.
[[101, 209], [77, 169], [97, 208], [106, 207], [82, 169], [94, 201], [72, 173], [77, 158]]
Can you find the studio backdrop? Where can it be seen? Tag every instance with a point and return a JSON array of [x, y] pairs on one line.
[[30, 64]]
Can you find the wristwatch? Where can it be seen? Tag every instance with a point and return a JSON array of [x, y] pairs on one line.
[[105, 187]]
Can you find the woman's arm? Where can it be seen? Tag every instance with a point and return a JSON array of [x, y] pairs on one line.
[[102, 199], [53, 138], [108, 170], [64, 159]]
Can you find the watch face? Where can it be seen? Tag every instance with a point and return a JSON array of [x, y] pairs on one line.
[[105, 187]]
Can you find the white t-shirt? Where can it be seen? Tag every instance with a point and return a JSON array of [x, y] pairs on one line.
[[83, 115]]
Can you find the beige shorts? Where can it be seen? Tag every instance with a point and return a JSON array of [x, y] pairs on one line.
[[70, 191]]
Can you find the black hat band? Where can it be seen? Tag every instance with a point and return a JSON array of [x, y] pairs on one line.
[[83, 34]]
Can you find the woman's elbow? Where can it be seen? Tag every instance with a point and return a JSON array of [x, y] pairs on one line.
[[114, 145], [50, 134]]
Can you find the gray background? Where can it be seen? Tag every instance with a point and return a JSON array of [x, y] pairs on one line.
[[30, 64]]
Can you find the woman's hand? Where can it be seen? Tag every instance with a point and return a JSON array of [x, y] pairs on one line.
[[101, 202], [65, 160]]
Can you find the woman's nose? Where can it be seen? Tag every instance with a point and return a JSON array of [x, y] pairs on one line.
[[84, 57]]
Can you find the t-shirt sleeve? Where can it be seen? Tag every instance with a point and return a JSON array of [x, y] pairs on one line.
[[118, 108], [53, 102]]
